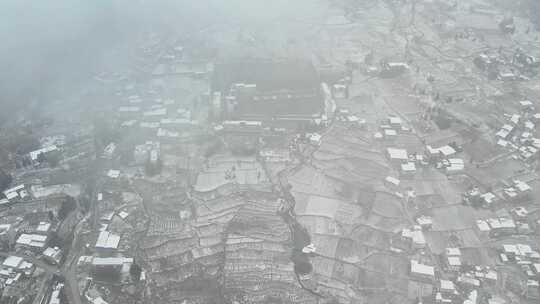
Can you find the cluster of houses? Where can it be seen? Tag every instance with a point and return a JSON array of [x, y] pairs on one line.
[[455, 281], [155, 117], [442, 157], [30, 239], [528, 261], [390, 128], [518, 134]]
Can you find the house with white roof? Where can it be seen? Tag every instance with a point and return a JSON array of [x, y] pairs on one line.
[[34, 155], [13, 264], [111, 265], [441, 152], [515, 118], [456, 165], [536, 117], [390, 134], [488, 199], [7, 233], [501, 226], [43, 228], [395, 121], [426, 222], [53, 255], [415, 236], [525, 104], [447, 287], [113, 173], [408, 170], [397, 156], [505, 131], [518, 191], [14, 193], [482, 228], [453, 263], [107, 241], [422, 271], [32, 241], [392, 182]]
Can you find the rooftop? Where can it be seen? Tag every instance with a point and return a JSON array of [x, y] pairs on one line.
[[453, 252], [262, 89], [33, 240], [454, 261], [400, 154], [107, 240], [417, 268], [34, 154], [113, 261], [12, 261], [447, 285], [392, 180], [444, 150], [43, 227], [51, 252], [113, 173], [267, 75], [246, 172], [408, 167]]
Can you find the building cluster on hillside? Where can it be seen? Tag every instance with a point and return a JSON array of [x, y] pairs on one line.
[[358, 175]]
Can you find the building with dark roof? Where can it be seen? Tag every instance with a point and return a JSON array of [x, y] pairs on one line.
[[269, 91]]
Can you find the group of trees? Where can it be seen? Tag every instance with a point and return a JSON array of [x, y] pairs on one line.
[[105, 132], [21, 143], [51, 158], [212, 149], [151, 168], [68, 205], [532, 7], [135, 272], [5, 180]]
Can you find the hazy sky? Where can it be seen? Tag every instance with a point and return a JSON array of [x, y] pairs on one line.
[[46, 41]]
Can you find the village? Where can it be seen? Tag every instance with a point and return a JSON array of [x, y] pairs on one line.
[[396, 162]]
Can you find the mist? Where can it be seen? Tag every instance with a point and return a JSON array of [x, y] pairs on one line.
[[44, 43], [269, 151]]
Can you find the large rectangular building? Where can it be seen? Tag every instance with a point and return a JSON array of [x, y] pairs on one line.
[[278, 93]]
